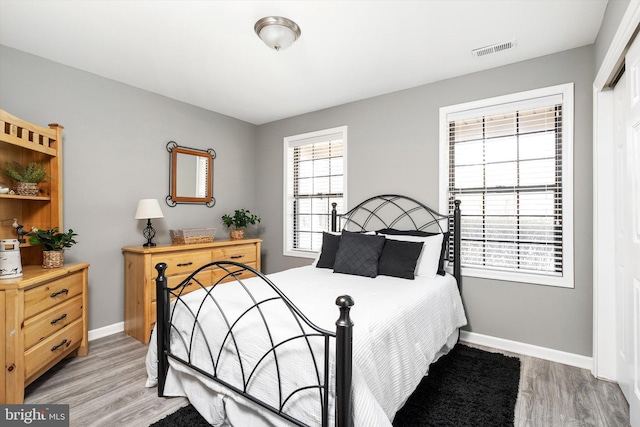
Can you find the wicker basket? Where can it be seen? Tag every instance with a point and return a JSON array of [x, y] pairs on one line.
[[27, 188], [190, 236], [52, 259]]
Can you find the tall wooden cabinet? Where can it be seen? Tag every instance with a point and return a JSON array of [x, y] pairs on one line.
[[43, 313], [25, 142]]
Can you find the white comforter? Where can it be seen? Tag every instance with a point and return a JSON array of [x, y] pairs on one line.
[[400, 326]]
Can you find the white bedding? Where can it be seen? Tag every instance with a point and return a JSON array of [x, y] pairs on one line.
[[400, 326]]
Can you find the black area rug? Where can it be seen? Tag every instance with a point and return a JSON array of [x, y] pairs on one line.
[[467, 387]]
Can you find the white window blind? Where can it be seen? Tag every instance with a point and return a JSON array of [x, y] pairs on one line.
[[506, 164], [315, 178]]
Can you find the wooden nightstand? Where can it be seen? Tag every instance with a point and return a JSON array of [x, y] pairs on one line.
[[140, 274], [44, 319]]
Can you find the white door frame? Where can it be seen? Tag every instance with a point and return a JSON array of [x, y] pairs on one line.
[[604, 317]]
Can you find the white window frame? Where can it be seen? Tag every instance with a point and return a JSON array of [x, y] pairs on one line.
[[567, 93], [303, 139]]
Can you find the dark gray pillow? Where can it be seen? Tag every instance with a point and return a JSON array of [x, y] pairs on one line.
[[399, 259], [330, 243], [419, 233], [358, 254]]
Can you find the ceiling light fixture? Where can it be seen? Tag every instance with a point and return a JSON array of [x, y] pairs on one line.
[[277, 32]]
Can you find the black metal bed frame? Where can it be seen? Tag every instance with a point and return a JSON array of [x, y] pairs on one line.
[[371, 212]]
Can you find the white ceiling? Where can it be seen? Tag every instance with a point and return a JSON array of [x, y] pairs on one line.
[[206, 53]]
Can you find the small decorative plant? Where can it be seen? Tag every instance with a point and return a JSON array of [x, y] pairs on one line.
[[240, 219], [32, 173], [52, 239]]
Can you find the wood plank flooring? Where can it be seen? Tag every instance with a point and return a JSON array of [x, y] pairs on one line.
[[106, 388]]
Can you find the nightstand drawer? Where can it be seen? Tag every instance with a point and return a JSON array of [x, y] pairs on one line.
[[53, 348], [41, 326], [50, 294], [238, 253], [181, 263]]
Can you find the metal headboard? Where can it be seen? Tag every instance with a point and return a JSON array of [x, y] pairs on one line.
[[404, 213]]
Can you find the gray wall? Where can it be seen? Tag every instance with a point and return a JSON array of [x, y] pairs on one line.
[[610, 21], [114, 154], [393, 147]]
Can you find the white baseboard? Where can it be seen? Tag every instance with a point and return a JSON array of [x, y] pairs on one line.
[[105, 331], [558, 356]]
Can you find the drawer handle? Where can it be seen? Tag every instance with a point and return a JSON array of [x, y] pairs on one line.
[[63, 291], [54, 321], [238, 273], [237, 256], [184, 264], [55, 347]]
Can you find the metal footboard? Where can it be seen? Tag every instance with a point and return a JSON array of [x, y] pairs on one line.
[[169, 298]]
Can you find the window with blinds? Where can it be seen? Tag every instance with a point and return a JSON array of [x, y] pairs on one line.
[[509, 163], [315, 178]]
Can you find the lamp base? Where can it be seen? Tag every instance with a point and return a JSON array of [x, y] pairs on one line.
[[149, 233]]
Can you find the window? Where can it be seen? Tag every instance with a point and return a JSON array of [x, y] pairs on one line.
[[315, 177], [509, 161]]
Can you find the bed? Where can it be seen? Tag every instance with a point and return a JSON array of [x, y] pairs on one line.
[[268, 350]]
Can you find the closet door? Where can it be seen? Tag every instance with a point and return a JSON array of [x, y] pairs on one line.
[[631, 240], [621, 231]]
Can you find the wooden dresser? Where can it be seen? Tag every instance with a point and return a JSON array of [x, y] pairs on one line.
[[140, 274], [44, 320], [43, 313]]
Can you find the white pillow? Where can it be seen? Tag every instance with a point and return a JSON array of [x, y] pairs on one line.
[[429, 258]]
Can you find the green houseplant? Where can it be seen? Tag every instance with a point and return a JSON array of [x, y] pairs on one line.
[[26, 177], [54, 243], [240, 219]]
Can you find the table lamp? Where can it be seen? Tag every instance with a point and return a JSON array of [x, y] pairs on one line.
[[147, 209]]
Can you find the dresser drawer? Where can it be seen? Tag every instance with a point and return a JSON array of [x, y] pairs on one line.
[[181, 263], [219, 273], [238, 253], [52, 293], [204, 277], [53, 348], [44, 324]]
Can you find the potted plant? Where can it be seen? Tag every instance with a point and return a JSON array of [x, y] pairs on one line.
[[26, 177], [54, 245], [240, 219]]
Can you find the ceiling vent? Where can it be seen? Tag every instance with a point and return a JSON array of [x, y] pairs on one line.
[[498, 47]]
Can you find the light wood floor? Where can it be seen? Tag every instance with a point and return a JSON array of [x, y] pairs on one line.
[[106, 388]]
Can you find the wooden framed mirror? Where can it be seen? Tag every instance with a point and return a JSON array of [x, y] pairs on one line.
[[191, 175]]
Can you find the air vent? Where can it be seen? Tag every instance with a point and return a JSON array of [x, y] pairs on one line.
[[498, 47]]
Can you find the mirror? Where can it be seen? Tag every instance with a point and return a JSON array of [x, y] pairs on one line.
[[191, 175]]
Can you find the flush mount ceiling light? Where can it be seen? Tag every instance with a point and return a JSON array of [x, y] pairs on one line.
[[277, 32]]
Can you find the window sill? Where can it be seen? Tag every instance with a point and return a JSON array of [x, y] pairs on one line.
[[301, 254], [533, 279]]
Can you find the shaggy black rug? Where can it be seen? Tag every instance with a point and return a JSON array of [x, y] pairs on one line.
[[467, 387]]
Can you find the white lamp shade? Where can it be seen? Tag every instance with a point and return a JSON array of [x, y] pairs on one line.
[[148, 208]]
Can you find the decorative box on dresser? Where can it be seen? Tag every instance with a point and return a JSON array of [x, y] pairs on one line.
[[140, 274], [43, 313]]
